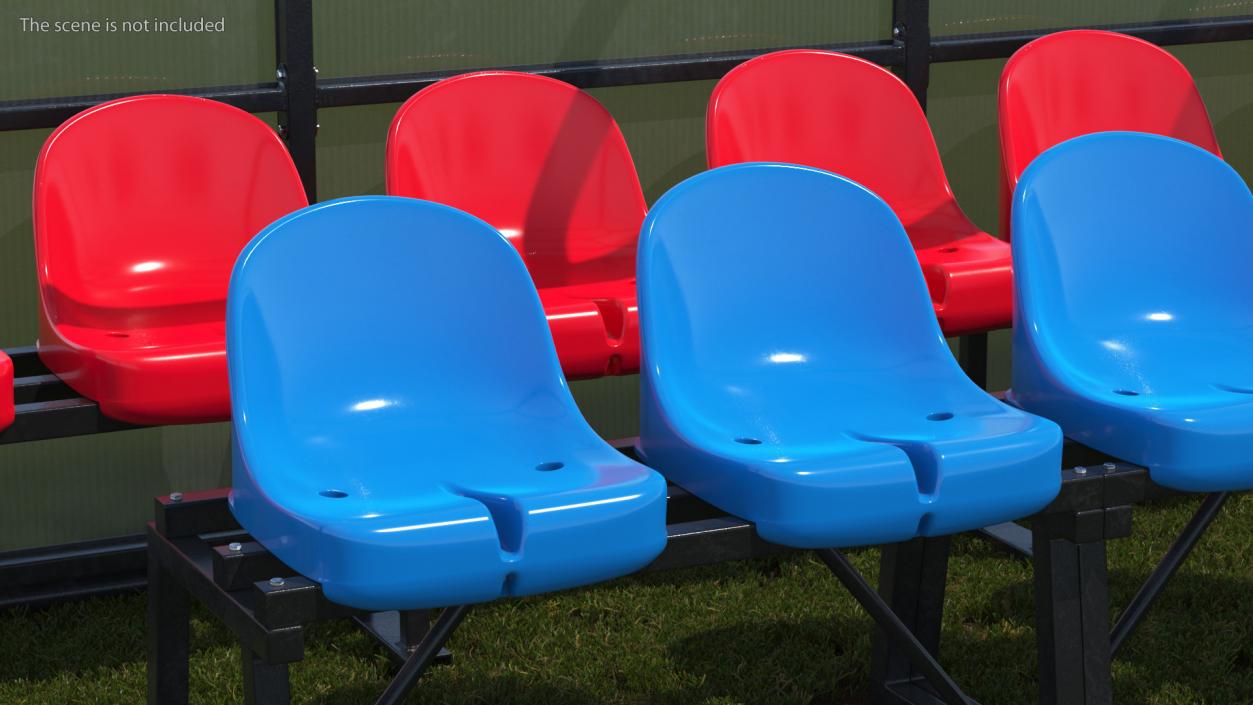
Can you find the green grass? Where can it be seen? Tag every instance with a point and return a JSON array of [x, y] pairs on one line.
[[769, 631]]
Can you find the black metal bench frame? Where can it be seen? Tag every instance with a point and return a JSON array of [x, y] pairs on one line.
[[196, 548]]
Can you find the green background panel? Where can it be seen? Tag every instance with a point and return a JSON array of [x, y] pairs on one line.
[[402, 36], [949, 17], [51, 64], [91, 487]]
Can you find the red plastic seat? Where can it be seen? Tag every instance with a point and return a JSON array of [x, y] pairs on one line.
[[1072, 83], [545, 164], [846, 115], [6, 391], [141, 207]]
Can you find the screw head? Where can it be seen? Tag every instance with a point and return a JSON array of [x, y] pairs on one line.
[[176, 496], [897, 31], [277, 582], [235, 546], [1080, 470], [281, 73]]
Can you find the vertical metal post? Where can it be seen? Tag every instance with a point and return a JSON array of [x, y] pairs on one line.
[[912, 576], [911, 29], [264, 683], [169, 637], [972, 354], [1072, 619], [297, 77]]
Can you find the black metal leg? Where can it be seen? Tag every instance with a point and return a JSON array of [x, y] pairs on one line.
[[264, 683], [1175, 556], [912, 578], [414, 625], [894, 628], [972, 354], [169, 637], [423, 655], [1072, 621]]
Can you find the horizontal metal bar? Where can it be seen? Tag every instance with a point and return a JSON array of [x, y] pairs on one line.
[[1015, 537], [26, 362], [44, 575], [370, 90], [967, 47], [37, 388], [50, 112], [60, 418]]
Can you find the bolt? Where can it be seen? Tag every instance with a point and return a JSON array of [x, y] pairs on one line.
[[281, 73], [315, 71], [282, 130], [1110, 467], [1080, 470], [277, 582], [235, 546], [897, 31], [176, 496]]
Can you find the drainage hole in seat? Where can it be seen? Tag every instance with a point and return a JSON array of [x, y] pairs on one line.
[[116, 334], [940, 416], [1127, 392], [748, 441], [333, 494], [549, 467], [949, 250]]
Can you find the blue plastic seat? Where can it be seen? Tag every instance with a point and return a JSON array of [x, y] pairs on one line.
[[1134, 307], [794, 373], [403, 432]]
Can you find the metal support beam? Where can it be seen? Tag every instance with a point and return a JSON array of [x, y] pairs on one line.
[[423, 655], [1165, 570], [894, 628], [169, 638], [1013, 536], [912, 577], [972, 355], [911, 31], [297, 78]]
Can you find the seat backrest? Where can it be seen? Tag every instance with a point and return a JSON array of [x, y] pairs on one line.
[[812, 281], [142, 204], [1124, 240], [341, 325], [1075, 82], [537, 158], [834, 112]]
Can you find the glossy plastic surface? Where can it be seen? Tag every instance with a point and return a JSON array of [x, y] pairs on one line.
[[546, 165], [447, 464], [141, 206], [1072, 83], [1135, 305], [795, 375], [6, 390], [851, 117]]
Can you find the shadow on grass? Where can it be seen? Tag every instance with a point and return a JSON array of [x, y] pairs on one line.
[[495, 689]]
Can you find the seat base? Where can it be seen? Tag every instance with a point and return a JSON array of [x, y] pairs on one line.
[[376, 550], [595, 327], [862, 488], [170, 375], [970, 278]]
